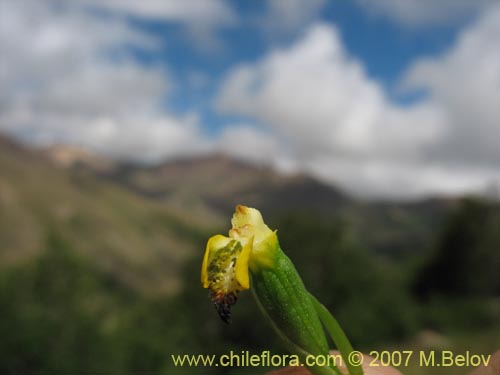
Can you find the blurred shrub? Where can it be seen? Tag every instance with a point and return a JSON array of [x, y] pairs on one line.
[[49, 323], [466, 260], [466, 315]]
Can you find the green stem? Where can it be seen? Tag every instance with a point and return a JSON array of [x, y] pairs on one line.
[[337, 334]]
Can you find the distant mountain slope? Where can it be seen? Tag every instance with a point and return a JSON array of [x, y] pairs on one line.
[[399, 229], [210, 186], [140, 222], [219, 183], [127, 235], [71, 156]]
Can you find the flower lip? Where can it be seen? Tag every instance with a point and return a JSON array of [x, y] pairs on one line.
[[228, 260], [225, 271]]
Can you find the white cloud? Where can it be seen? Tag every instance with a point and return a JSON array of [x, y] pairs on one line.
[[207, 12], [418, 13], [150, 141], [340, 125], [465, 83], [201, 18], [321, 100], [394, 179], [250, 143], [290, 15], [66, 77]]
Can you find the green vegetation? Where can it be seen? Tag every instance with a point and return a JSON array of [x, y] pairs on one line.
[[54, 314], [468, 246], [61, 314], [97, 279]]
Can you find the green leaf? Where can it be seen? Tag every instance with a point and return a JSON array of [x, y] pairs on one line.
[[337, 334]]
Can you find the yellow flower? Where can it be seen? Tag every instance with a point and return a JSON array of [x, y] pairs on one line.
[[227, 260], [251, 254]]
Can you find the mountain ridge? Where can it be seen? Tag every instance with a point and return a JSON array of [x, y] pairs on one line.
[[140, 223], [216, 181]]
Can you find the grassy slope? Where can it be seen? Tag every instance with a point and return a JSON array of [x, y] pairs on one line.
[[139, 241]]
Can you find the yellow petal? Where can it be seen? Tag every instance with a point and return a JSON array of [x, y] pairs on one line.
[[214, 243], [247, 222], [241, 268]]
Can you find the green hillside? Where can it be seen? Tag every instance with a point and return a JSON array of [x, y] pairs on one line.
[[137, 240]]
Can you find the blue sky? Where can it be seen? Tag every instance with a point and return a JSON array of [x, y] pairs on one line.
[[388, 98], [386, 49]]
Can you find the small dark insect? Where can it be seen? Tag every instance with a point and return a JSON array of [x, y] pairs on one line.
[[223, 284], [223, 303]]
